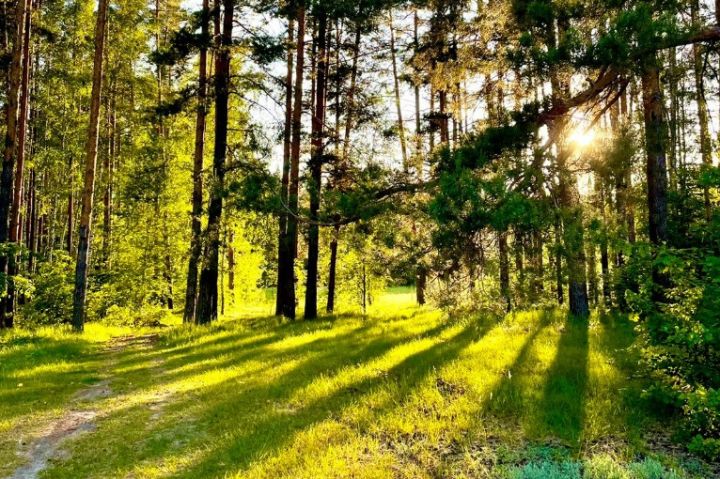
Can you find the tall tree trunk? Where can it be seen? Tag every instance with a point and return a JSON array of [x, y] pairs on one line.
[[573, 239], [91, 150], [316, 161], [285, 259], [21, 137], [15, 235], [398, 104], [197, 176], [558, 262], [70, 220], [109, 167], [416, 91], [32, 231], [11, 149], [292, 226], [207, 304], [656, 167], [705, 141], [344, 159]]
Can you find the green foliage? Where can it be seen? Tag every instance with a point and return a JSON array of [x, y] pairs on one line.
[[51, 302], [148, 315], [682, 335]]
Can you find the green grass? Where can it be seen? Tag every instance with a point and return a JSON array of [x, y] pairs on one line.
[[405, 393]]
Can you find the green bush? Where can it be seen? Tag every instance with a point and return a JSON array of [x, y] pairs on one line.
[[51, 301], [146, 316]]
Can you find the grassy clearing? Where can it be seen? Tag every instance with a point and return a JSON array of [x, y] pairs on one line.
[[406, 394]]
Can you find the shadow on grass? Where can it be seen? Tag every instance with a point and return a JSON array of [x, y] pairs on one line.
[[277, 430], [39, 373], [562, 407], [251, 414]]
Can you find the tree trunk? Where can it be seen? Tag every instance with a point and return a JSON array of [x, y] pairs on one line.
[[70, 230], [344, 159], [656, 167], [398, 104], [91, 149], [333, 270], [292, 226], [705, 141], [420, 284], [198, 156], [207, 304], [504, 269], [15, 235], [285, 259], [11, 150], [316, 161], [109, 167], [32, 231], [231, 263], [558, 262]]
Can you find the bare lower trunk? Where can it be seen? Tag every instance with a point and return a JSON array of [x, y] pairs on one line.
[[292, 226], [316, 160], [83, 257], [333, 268], [656, 167], [285, 259], [11, 149], [197, 193], [420, 284], [207, 304], [504, 269]]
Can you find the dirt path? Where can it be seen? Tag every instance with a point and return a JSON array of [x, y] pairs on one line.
[[47, 442]]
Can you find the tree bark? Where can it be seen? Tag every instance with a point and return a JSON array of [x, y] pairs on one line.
[[91, 150], [15, 235], [558, 262], [705, 141], [285, 259], [398, 104], [10, 151], [332, 275], [504, 269], [197, 175], [656, 166], [109, 167], [231, 263], [316, 161], [292, 226], [344, 159], [207, 304]]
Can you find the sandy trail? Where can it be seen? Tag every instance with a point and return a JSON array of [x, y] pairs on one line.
[[46, 443]]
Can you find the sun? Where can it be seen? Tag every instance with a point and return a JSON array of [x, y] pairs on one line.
[[582, 137]]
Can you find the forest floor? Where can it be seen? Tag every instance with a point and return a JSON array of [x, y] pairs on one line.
[[406, 394]]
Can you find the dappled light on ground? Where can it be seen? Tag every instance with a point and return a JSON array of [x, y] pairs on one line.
[[413, 395]]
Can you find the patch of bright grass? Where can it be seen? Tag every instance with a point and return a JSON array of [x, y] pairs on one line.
[[404, 392]]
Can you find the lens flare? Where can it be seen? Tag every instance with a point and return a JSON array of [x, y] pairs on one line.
[[582, 137]]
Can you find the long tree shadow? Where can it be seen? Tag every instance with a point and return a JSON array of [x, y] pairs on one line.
[[277, 430], [562, 407], [30, 367], [250, 398], [507, 398]]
